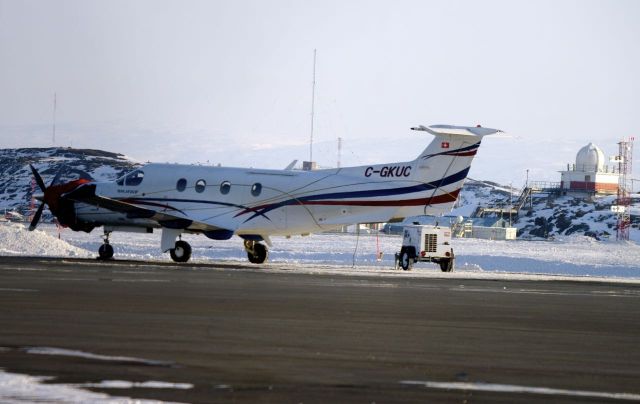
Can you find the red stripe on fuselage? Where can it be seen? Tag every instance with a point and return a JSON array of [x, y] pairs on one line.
[[444, 198]]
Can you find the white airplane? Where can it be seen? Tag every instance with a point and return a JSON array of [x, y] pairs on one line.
[[256, 204]]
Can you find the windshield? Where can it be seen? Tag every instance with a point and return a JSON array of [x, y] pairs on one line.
[[132, 179]]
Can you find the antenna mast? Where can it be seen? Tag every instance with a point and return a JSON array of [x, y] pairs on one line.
[[624, 157], [313, 101], [339, 151], [54, 118]]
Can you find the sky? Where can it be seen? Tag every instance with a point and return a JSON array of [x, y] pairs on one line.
[[230, 82]]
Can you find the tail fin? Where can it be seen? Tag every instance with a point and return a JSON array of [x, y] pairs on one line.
[[445, 163]]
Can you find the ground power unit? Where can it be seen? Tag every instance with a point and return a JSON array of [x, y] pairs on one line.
[[424, 243]]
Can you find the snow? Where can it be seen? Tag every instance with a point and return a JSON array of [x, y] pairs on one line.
[[123, 384], [19, 389], [510, 388], [15, 239], [88, 355], [573, 256]]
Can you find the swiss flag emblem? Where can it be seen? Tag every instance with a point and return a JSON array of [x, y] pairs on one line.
[[445, 145]]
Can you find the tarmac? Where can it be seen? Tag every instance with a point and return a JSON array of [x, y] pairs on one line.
[[242, 333]]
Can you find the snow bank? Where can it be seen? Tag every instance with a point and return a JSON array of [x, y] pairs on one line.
[[15, 239], [19, 389], [573, 255]]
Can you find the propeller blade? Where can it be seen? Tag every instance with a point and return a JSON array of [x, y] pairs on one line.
[[36, 218], [57, 177], [38, 178]]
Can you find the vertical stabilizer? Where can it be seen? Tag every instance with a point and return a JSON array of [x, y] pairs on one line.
[[446, 161]]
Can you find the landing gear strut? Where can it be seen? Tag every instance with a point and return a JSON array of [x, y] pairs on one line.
[[181, 252], [256, 252], [105, 252]]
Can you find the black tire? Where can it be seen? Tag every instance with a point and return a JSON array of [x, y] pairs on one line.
[[181, 252], [447, 264], [105, 252], [406, 260], [259, 255]]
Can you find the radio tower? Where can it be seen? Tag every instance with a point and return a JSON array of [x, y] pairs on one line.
[[625, 157]]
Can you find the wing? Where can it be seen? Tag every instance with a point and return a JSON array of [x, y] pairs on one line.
[[86, 193]]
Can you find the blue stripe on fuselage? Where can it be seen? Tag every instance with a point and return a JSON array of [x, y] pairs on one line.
[[461, 175]]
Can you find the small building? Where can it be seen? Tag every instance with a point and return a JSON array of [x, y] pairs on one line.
[[488, 228], [589, 175]]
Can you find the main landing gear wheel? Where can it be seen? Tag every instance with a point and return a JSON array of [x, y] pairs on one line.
[[181, 252], [256, 252], [105, 252]]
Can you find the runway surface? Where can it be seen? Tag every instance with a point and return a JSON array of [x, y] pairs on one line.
[[239, 333]]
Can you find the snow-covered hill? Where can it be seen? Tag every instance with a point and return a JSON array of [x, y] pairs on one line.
[[16, 177], [482, 193], [549, 216], [566, 215]]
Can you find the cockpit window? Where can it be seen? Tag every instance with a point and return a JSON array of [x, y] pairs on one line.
[[135, 178]]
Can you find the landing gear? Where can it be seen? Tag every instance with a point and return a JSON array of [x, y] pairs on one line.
[[256, 252], [105, 252], [181, 252]]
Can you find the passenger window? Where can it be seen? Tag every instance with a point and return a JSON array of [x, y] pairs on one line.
[[135, 178], [200, 185], [256, 189], [225, 187], [181, 185]]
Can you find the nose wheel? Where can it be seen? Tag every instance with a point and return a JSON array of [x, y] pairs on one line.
[[181, 252], [256, 252], [105, 252]]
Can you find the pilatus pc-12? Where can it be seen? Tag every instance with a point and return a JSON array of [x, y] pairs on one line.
[[255, 204]]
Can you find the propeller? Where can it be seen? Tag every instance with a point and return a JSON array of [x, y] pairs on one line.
[[43, 199]]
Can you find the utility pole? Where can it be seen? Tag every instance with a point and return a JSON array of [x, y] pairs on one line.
[[54, 118], [313, 101]]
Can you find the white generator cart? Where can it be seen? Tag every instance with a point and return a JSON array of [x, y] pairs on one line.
[[426, 244]]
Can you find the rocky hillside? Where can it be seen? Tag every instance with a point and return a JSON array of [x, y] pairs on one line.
[[549, 216], [566, 215], [16, 177]]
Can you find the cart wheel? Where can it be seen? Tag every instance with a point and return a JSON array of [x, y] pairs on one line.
[[447, 264], [406, 260]]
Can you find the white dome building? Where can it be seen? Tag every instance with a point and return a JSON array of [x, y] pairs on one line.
[[590, 158], [590, 174]]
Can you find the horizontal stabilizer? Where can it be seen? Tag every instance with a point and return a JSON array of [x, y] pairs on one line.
[[457, 130]]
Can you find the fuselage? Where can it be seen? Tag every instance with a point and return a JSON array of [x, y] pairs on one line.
[[269, 202]]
